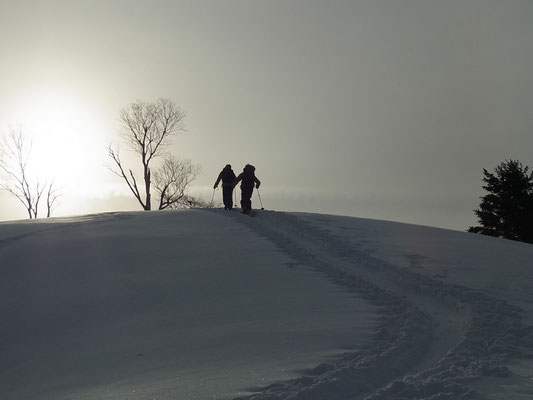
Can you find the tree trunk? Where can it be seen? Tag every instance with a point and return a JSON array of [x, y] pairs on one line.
[[148, 203]]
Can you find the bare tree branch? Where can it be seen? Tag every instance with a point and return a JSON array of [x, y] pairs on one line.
[[52, 197], [189, 201], [147, 128], [15, 153], [172, 180], [133, 184]]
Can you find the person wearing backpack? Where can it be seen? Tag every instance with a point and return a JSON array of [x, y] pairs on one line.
[[247, 179], [227, 176]]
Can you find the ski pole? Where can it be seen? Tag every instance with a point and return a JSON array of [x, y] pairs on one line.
[[260, 201], [213, 197]]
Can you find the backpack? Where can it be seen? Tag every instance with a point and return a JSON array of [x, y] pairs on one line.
[[248, 175]]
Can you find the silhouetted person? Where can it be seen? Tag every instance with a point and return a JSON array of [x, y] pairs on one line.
[[247, 179], [227, 176]]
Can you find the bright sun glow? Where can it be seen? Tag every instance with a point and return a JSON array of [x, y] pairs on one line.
[[68, 139], [55, 128]]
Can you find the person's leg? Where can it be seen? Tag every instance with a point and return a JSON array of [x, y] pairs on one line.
[[226, 196], [230, 197], [246, 199]]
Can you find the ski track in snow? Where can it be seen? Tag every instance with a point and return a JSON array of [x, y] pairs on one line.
[[420, 317]]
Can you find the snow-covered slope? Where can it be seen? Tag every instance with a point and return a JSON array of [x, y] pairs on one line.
[[210, 304]]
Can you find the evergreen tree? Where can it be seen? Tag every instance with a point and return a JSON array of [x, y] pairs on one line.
[[507, 210]]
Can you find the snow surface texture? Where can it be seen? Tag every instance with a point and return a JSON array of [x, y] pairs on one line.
[[437, 338], [372, 309], [170, 305]]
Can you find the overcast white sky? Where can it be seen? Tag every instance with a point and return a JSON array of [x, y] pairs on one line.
[[381, 108]]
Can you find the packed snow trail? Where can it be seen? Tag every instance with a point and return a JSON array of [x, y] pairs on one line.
[[434, 337]]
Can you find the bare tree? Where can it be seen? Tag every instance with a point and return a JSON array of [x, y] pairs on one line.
[[147, 128], [171, 181], [15, 153], [52, 196]]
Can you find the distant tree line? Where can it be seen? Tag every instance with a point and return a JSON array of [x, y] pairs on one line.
[[506, 211]]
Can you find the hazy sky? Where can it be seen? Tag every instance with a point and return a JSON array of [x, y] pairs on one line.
[[382, 109]]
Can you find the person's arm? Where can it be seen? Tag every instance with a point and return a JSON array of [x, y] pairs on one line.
[[257, 182], [218, 180], [237, 180]]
